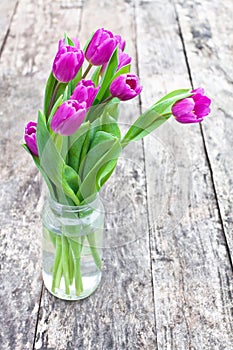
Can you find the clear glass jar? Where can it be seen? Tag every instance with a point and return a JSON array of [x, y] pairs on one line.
[[72, 248]]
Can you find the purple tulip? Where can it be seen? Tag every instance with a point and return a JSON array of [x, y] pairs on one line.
[[67, 62], [30, 137], [123, 60], [121, 42], [125, 87], [62, 43], [101, 47], [68, 117], [192, 109], [85, 91]]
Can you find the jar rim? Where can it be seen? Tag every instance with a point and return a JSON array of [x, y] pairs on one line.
[[65, 208]]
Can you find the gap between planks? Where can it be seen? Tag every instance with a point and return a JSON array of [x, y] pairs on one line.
[[203, 138], [8, 29]]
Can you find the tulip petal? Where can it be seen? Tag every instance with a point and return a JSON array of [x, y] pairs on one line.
[[68, 117], [183, 107]]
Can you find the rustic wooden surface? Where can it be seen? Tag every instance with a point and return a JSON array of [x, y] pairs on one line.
[[167, 279]]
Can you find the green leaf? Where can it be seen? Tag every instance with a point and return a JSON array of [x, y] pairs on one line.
[[50, 160], [181, 93], [88, 42], [73, 83], [154, 117], [90, 184], [101, 143], [54, 109], [95, 76], [76, 141], [122, 70], [107, 77], [105, 172], [50, 86], [37, 163], [61, 90], [71, 178], [112, 108], [85, 149], [110, 125]]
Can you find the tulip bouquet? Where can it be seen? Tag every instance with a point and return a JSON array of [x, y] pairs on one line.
[[77, 141]]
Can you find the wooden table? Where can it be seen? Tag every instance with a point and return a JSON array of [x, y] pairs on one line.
[[167, 282]]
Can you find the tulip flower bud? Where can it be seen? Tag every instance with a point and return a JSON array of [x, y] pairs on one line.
[[67, 62], [30, 137], [121, 42], [192, 109], [62, 43], [68, 117], [125, 87], [123, 60], [85, 91], [101, 47]]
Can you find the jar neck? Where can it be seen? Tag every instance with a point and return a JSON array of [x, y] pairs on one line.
[[59, 208]]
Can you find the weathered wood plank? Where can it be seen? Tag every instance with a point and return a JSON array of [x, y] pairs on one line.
[[120, 314], [7, 10], [208, 34], [24, 67], [192, 275]]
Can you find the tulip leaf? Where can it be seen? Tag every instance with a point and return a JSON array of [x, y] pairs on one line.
[[95, 76], [164, 105], [99, 146], [122, 70], [71, 178], [91, 183], [181, 93], [54, 109], [105, 172], [67, 40], [84, 151], [107, 77], [73, 83], [49, 89], [50, 160], [76, 142], [109, 125], [61, 90], [110, 107], [37, 163], [154, 117], [88, 42]]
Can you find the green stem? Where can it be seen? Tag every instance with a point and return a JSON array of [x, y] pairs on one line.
[[71, 266], [76, 248], [78, 277], [107, 99], [58, 275], [53, 97], [94, 252], [56, 261], [65, 262], [87, 71]]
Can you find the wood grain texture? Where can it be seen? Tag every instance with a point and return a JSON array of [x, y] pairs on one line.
[[167, 276], [208, 36], [7, 10], [192, 275], [23, 75], [119, 315]]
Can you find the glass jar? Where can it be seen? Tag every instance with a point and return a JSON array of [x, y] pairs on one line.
[[72, 248]]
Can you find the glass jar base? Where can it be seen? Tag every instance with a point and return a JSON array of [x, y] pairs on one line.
[[90, 284]]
